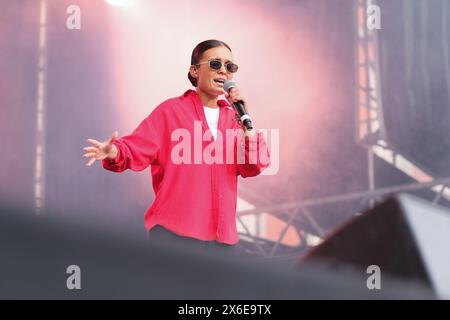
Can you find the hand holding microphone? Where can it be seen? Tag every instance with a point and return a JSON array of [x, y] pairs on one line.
[[239, 105]]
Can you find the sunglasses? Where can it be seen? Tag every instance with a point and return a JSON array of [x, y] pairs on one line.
[[215, 64]]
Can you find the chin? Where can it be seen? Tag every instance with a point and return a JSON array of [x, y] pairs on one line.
[[215, 91]]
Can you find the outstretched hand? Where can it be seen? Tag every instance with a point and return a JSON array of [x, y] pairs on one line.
[[101, 150]]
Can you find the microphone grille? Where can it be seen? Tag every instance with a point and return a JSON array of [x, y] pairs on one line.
[[228, 85]]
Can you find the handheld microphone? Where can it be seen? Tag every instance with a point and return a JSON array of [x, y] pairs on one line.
[[239, 107]]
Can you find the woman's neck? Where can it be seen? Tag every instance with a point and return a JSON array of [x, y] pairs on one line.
[[207, 100]]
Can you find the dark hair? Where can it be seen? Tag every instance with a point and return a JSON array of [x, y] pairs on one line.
[[198, 52]]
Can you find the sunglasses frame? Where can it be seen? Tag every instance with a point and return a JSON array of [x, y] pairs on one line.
[[220, 67]]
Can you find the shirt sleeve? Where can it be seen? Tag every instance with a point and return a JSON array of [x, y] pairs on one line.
[[253, 155], [139, 149]]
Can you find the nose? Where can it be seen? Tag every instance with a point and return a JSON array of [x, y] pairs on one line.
[[223, 69]]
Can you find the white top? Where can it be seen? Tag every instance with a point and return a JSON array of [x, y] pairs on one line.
[[212, 117]]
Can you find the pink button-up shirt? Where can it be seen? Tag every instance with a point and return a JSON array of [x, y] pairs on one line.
[[195, 186]]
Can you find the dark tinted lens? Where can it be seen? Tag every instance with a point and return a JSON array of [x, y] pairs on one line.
[[215, 64], [231, 67]]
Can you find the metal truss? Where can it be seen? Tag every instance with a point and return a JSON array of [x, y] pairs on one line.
[[301, 211], [39, 169], [371, 134]]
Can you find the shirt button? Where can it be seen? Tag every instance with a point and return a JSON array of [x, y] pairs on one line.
[[220, 196]]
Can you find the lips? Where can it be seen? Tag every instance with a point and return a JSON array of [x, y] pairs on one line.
[[219, 80]]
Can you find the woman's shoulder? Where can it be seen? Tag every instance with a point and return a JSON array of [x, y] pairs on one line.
[[175, 102], [164, 108], [186, 101]]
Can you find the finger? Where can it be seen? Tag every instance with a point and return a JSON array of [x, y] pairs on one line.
[[235, 93], [90, 149], [88, 155], [235, 98], [94, 142], [238, 97], [114, 136], [90, 162]]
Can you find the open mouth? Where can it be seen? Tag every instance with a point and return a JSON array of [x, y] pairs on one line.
[[219, 81]]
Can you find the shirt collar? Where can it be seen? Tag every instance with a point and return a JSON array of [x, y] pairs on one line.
[[198, 106]]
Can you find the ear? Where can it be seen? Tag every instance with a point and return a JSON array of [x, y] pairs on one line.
[[193, 71]]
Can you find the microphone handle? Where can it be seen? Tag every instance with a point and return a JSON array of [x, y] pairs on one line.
[[248, 124], [243, 116]]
